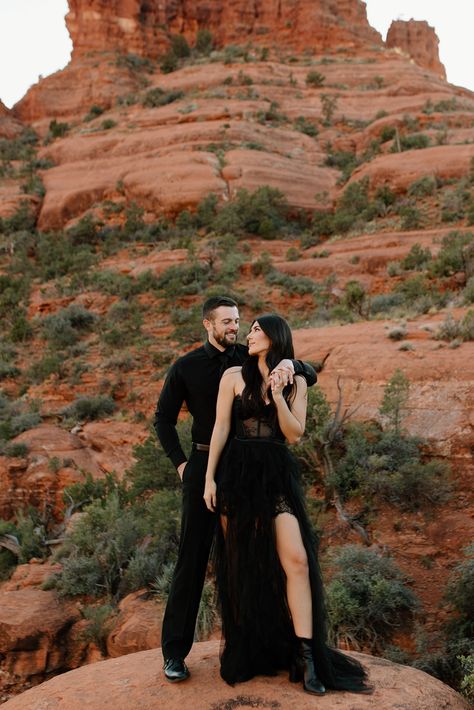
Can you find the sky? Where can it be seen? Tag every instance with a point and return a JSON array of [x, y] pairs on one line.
[[34, 40]]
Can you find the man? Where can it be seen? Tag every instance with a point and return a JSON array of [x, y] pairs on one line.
[[194, 379]]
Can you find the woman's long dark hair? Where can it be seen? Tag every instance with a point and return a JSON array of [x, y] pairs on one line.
[[277, 329]]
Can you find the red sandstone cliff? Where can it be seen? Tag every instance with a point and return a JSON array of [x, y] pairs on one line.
[[140, 27], [418, 39]]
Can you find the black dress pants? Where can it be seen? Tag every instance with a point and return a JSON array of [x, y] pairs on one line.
[[197, 530]]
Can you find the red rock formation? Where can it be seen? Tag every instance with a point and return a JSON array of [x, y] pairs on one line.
[[100, 447], [136, 681], [138, 626], [33, 627], [420, 41], [10, 127], [139, 27]]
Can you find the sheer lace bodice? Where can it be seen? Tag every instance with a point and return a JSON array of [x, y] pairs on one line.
[[265, 426]]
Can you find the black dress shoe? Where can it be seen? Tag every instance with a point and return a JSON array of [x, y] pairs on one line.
[[175, 669]]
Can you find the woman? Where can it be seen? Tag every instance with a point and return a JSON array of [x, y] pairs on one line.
[[267, 571]]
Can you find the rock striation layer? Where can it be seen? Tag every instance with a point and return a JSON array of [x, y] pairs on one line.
[[419, 40]]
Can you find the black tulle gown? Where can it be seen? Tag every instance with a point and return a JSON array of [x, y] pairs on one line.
[[257, 480]]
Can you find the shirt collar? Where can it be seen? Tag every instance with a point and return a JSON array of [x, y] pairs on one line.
[[214, 352]]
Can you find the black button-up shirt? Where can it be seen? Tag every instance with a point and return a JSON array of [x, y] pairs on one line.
[[194, 379]]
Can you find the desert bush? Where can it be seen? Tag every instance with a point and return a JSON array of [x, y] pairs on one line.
[[204, 42], [300, 285], [180, 46], [315, 78], [416, 259], [263, 212], [355, 298], [368, 599], [423, 187], [411, 217], [51, 363], [305, 126], [413, 141], [387, 133], [134, 63], [22, 219], [16, 416], [122, 324], [57, 129], [454, 203], [169, 63], [451, 329], [90, 408], [345, 161], [158, 97], [94, 112], [328, 107], [65, 327], [20, 148], [453, 255], [468, 292]]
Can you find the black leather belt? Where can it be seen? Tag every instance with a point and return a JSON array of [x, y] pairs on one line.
[[201, 447]]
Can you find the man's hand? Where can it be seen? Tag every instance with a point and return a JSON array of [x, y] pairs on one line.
[[282, 375], [181, 468], [210, 491]]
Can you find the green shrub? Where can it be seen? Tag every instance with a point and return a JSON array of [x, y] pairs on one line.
[[134, 63], [158, 97], [169, 63], [58, 130], [368, 599], [345, 161], [355, 298], [180, 46], [90, 408], [328, 107], [107, 124], [64, 328], [23, 219], [51, 363], [453, 255], [7, 370], [263, 212], [395, 399], [385, 302], [468, 292], [204, 42], [410, 217], [122, 324], [315, 79], [94, 111], [387, 133], [416, 259], [15, 450], [20, 148], [305, 126], [423, 187], [414, 141]]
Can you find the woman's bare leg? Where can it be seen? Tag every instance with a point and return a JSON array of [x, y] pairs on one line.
[[294, 561]]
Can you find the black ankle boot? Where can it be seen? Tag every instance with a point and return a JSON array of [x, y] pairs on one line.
[[303, 669]]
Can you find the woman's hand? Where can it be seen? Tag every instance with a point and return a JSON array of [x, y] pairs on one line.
[[210, 492], [278, 382]]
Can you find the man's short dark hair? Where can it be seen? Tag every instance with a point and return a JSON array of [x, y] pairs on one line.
[[214, 302]]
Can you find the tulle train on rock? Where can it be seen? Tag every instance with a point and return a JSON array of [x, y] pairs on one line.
[[258, 478]]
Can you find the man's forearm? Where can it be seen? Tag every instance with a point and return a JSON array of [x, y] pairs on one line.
[[169, 439], [306, 370]]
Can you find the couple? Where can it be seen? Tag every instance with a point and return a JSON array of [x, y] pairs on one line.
[[268, 578]]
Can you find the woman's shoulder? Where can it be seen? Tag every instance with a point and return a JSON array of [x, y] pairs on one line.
[[301, 384], [236, 370]]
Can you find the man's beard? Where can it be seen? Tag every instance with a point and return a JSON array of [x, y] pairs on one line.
[[223, 341]]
